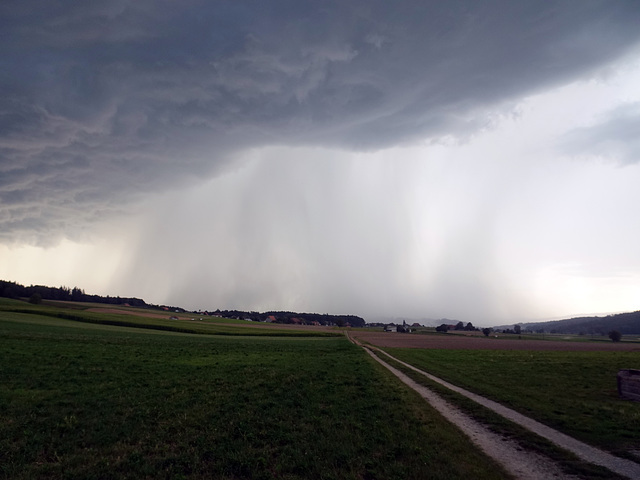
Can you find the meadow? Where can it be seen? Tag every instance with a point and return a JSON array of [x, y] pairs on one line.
[[572, 391], [152, 319], [86, 399]]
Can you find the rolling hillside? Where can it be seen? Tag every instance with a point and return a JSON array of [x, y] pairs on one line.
[[625, 323]]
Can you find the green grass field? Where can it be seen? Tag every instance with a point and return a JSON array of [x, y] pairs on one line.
[[134, 318], [574, 392], [88, 400]]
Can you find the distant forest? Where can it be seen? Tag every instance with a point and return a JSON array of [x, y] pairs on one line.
[[75, 294], [625, 323], [295, 318]]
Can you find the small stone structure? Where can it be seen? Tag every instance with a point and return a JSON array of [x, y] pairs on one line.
[[629, 384]]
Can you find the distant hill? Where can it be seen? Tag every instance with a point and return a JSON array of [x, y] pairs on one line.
[[625, 323], [75, 294]]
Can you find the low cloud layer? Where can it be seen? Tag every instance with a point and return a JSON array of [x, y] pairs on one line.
[[615, 137], [105, 103]]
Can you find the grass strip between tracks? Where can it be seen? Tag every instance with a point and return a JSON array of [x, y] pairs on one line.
[[528, 440]]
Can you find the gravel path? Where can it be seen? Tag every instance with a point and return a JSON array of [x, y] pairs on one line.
[[521, 464], [621, 466], [517, 462]]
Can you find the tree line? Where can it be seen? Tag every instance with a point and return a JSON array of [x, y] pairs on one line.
[[458, 326], [294, 318], [41, 292], [37, 293]]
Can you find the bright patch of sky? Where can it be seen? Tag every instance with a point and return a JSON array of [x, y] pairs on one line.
[[502, 227]]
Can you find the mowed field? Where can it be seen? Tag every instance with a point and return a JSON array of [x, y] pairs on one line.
[[568, 385], [94, 392], [91, 396], [209, 320]]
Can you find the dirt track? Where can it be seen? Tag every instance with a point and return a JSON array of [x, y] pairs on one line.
[[522, 464], [451, 341]]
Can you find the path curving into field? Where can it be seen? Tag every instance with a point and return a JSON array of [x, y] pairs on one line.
[[521, 464]]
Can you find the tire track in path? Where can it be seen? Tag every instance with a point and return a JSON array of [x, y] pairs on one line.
[[521, 464]]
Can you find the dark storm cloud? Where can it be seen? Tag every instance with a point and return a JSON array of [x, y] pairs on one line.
[[615, 137], [106, 101]]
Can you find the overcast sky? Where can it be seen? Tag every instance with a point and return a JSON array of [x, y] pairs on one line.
[[472, 160]]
